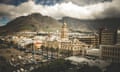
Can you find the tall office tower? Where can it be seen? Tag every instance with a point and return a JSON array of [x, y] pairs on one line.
[[108, 36]]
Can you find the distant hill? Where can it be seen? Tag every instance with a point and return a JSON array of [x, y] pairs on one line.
[[33, 22], [91, 25]]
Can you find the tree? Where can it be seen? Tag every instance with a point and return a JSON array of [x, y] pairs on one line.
[[52, 51], [87, 68], [42, 47], [113, 67], [57, 52], [59, 65]]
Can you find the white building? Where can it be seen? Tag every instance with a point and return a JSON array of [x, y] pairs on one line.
[[93, 52]]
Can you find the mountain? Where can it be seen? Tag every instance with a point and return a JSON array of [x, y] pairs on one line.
[[90, 24], [33, 22], [37, 22]]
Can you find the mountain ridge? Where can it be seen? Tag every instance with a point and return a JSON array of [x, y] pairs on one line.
[[33, 22], [91, 24], [37, 22]]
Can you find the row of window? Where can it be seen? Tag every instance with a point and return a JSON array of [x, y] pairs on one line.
[[111, 54], [111, 49]]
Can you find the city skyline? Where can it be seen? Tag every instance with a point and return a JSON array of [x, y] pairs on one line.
[[59, 35]]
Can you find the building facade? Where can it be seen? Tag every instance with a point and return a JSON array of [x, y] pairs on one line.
[[92, 40], [108, 36], [110, 53], [63, 43]]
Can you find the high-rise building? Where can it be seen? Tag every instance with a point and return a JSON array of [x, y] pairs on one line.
[[108, 36], [109, 45]]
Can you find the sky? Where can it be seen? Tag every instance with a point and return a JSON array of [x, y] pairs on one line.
[[81, 9]]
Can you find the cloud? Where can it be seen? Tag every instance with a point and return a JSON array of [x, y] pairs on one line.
[[85, 2], [112, 10], [15, 11], [78, 2], [5, 9], [12, 2], [100, 10]]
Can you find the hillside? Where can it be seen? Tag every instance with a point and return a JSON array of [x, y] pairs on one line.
[[33, 22], [91, 25]]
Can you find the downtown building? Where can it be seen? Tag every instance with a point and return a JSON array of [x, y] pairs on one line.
[[91, 39], [110, 45], [107, 36], [110, 53], [62, 42]]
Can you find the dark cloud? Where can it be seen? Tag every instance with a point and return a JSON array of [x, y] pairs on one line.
[[48, 2], [5, 1], [4, 14], [86, 2], [78, 2], [93, 11], [12, 2], [53, 2], [111, 12], [82, 9]]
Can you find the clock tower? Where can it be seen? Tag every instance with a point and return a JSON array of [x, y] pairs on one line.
[[64, 32]]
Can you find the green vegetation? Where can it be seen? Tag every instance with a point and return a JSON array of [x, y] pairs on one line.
[[33, 22], [88, 68], [4, 65], [5, 44], [59, 65], [66, 52], [28, 27]]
